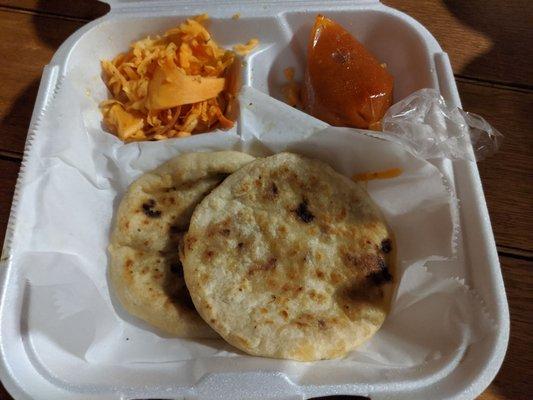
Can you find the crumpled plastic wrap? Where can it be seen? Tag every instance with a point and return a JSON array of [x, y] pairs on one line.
[[430, 128]]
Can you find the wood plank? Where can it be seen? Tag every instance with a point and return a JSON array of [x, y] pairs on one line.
[[31, 40], [515, 378], [28, 42], [485, 39], [493, 50], [85, 9], [508, 175]]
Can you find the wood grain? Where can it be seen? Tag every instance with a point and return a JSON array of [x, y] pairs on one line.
[[27, 45], [30, 41], [515, 378], [489, 44], [485, 39], [508, 175], [481, 36], [80, 9]]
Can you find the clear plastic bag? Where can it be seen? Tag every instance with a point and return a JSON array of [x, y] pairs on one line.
[[432, 129]]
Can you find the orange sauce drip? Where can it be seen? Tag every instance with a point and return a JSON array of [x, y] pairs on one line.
[[385, 174]]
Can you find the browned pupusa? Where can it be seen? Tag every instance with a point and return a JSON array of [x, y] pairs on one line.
[[153, 216], [289, 259]]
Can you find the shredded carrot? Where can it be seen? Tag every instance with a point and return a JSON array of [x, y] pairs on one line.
[[386, 174], [172, 85], [243, 49]]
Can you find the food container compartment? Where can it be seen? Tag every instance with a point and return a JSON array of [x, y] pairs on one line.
[[31, 367]]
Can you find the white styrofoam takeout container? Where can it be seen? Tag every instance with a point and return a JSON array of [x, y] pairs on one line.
[[414, 58]]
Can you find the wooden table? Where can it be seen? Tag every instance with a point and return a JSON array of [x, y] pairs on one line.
[[489, 43]]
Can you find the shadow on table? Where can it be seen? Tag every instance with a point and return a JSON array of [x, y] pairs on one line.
[[65, 18], [54, 22], [508, 25], [53, 30], [509, 57], [16, 121]]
